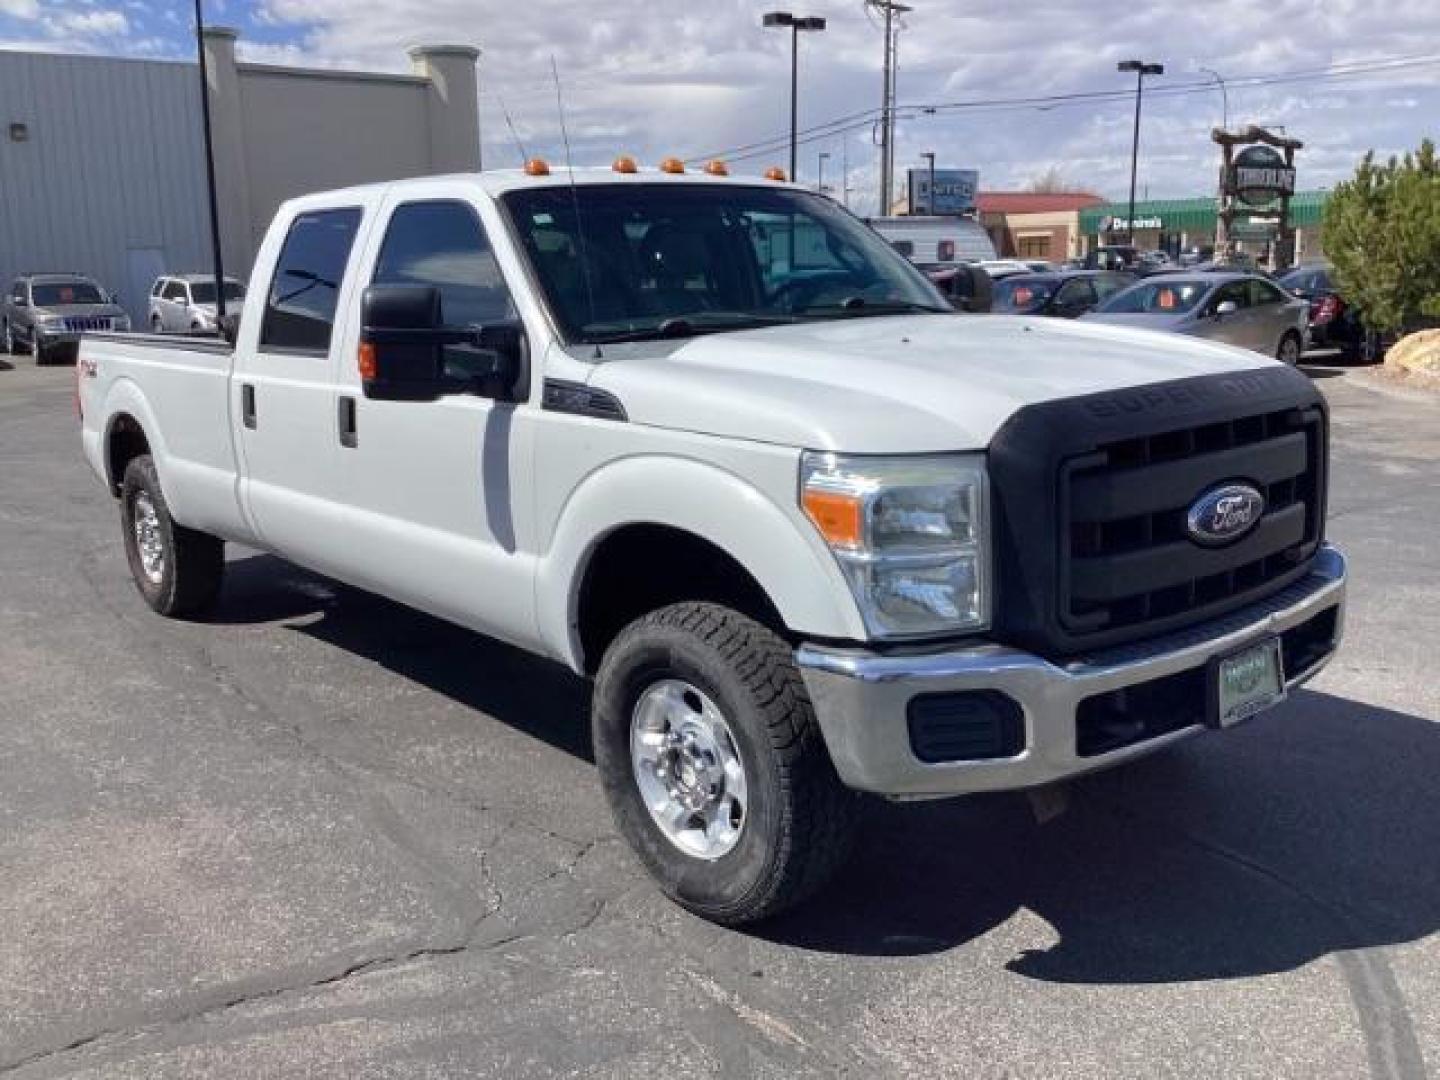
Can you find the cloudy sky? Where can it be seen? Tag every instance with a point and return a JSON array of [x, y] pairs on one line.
[[688, 77]]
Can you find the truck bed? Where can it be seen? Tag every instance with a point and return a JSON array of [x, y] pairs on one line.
[[177, 389]]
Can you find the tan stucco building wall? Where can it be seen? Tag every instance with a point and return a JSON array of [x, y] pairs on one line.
[[1051, 235], [281, 132]]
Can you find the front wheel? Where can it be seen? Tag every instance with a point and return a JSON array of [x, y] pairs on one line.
[[177, 570], [714, 765], [1290, 349]]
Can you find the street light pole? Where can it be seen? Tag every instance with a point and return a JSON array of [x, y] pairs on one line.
[[1141, 69], [929, 155], [1224, 98], [796, 25], [820, 172], [210, 169]]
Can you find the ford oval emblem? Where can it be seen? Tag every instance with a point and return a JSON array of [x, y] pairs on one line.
[[1224, 514]]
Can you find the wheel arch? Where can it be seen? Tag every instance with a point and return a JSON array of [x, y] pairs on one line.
[[707, 533]]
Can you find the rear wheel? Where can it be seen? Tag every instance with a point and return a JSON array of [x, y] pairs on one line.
[[714, 765], [1290, 349], [177, 570]]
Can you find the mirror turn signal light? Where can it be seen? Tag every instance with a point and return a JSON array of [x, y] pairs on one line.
[[775, 173], [537, 167], [838, 516], [672, 165], [625, 164]]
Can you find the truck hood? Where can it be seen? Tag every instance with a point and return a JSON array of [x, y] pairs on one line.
[[891, 384]]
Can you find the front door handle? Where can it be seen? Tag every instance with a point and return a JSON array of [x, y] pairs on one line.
[[247, 405], [345, 418]]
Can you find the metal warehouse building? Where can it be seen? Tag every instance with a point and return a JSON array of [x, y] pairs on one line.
[[102, 167]]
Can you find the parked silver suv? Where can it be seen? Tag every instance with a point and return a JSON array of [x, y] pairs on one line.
[[185, 303], [46, 314]]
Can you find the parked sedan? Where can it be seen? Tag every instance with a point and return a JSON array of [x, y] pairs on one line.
[[185, 303], [1061, 294], [1236, 308], [1334, 324], [46, 314]]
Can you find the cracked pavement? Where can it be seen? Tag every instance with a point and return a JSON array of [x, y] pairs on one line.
[[320, 834]]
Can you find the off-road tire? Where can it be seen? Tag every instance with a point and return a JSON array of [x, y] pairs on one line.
[[194, 562], [800, 818]]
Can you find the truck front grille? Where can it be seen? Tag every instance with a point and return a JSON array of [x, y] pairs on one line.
[[1126, 560], [1090, 497], [79, 324]]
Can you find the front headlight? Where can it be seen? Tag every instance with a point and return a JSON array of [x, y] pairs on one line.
[[911, 535], [52, 322]]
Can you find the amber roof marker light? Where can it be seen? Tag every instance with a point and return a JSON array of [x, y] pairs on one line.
[[537, 167], [672, 165], [717, 168], [625, 164], [775, 173]]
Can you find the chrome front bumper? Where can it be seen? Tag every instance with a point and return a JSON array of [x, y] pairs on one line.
[[862, 698]]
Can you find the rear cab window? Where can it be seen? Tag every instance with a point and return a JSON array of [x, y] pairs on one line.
[[305, 290]]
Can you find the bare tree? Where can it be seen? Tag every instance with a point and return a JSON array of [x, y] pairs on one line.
[[1049, 182]]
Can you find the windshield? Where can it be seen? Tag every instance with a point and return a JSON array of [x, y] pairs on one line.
[[659, 261], [1168, 297], [1023, 294], [203, 292], [61, 293]]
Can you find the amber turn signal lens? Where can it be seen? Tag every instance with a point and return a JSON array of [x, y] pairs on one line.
[[717, 168], [537, 167], [366, 361], [839, 517], [672, 165], [625, 164], [775, 173]]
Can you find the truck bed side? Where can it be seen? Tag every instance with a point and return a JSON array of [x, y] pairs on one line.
[[128, 383]]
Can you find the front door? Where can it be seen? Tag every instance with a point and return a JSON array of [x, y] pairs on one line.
[[282, 398], [440, 488]]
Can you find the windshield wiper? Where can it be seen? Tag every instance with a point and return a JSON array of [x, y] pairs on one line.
[[679, 326], [858, 305]]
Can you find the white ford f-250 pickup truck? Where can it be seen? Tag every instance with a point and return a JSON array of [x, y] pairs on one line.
[[713, 443]]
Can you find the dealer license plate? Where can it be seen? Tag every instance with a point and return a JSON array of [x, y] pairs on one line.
[[1248, 682]]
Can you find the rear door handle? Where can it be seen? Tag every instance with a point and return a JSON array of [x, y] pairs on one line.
[[345, 417], [247, 405]]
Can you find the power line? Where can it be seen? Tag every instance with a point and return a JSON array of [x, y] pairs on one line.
[[867, 117]]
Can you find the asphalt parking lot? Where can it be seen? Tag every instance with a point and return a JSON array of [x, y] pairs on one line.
[[322, 835]]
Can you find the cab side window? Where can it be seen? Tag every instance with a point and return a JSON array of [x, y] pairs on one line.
[[175, 291], [443, 244], [1235, 291], [300, 311]]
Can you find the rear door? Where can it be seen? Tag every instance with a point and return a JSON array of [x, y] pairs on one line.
[[283, 395], [1233, 329], [1273, 314]]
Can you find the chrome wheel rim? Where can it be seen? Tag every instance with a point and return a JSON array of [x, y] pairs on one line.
[[688, 769], [147, 538]]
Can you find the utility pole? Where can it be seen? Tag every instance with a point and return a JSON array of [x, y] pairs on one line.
[[888, 10], [845, 171], [210, 169], [1141, 69]]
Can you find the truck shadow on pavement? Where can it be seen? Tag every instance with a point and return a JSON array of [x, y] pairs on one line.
[[1308, 832], [1311, 830]]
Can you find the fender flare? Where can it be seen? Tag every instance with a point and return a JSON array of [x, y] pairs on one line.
[[778, 549]]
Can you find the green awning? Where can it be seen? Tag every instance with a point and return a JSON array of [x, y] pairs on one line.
[[1196, 215]]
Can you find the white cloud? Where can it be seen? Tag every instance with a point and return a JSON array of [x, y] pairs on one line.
[[20, 9], [89, 22]]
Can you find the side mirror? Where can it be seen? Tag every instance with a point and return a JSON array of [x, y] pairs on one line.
[[972, 289], [407, 353], [1226, 307]]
